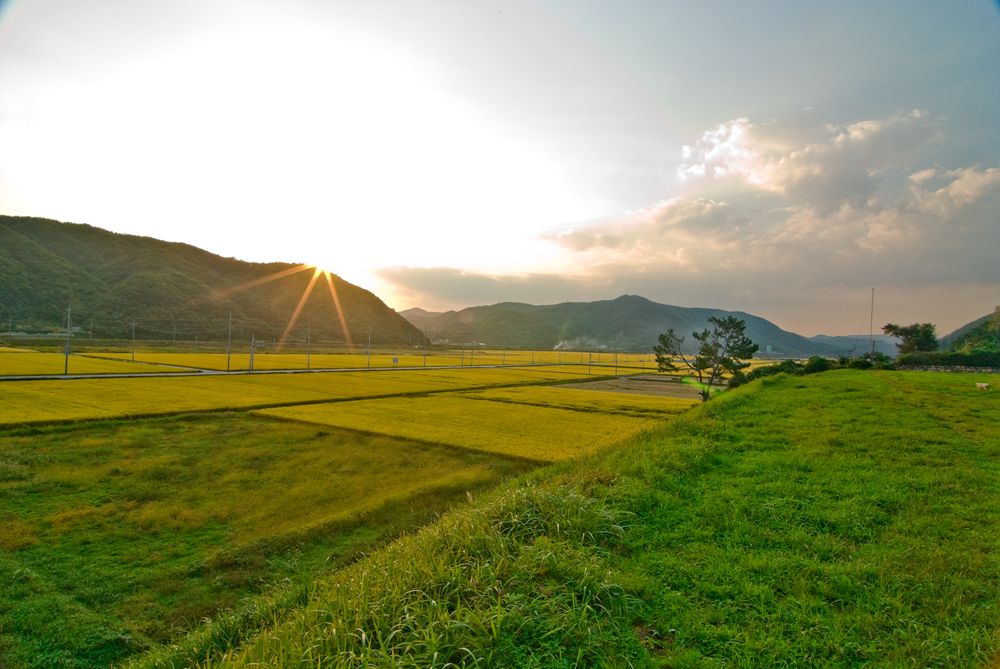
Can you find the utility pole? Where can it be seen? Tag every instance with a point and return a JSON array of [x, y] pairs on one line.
[[308, 334], [369, 351], [616, 364], [503, 359], [229, 342], [133, 340], [253, 346], [91, 328], [425, 350], [66, 349], [871, 330], [590, 358]]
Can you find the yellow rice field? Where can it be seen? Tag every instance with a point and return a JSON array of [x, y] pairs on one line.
[[476, 358], [537, 433], [15, 362], [24, 402], [586, 400]]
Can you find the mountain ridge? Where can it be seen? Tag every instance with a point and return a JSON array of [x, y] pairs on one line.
[[629, 322], [172, 287]]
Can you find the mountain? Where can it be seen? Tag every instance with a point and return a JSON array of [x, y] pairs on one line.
[[850, 345], [171, 289], [419, 317], [949, 340], [629, 322]]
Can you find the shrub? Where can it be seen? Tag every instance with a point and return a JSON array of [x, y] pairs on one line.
[[815, 365], [950, 359]]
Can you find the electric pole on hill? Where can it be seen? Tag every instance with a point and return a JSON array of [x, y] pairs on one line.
[[133, 340], [229, 343], [66, 348]]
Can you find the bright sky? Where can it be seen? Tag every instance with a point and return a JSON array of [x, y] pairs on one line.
[[780, 158]]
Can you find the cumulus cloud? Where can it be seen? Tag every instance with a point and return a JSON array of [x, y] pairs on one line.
[[822, 167]]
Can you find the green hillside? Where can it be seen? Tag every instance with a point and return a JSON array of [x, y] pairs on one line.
[[169, 289], [628, 322], [971, 335]]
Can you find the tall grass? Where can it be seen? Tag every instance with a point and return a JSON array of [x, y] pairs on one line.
[[485, 587]]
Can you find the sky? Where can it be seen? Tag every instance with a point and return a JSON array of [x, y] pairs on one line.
[[781, 158]]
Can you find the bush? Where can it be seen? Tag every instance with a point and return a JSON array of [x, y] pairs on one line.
[[815, 365], [949, 359], [737, 380], [860, 363]]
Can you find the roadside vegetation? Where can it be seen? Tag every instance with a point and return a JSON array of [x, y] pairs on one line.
[[838, 519]]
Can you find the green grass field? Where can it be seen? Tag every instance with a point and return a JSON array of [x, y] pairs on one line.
[[121, 534], [540, 434], [845, 519]]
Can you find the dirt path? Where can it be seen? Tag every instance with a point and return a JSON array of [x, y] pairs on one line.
[[639, 385]]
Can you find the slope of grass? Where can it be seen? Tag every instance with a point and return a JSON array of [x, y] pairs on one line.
[[840, 520], [117, 535]]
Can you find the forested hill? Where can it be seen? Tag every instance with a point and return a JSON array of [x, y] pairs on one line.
[[112, 279], [629, 322]]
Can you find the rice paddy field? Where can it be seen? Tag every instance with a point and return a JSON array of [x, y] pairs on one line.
[[17, 362], [626, 363], [558, 397], [51, 401], [536, 433]]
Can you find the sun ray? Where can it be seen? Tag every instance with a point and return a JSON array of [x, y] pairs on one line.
[[218, 294], [266, 279], [298, 309], [340, 312]]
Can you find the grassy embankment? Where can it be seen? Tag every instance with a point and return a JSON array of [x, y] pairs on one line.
[[845, 519]]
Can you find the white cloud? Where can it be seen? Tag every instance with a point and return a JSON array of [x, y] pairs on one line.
[[818, 166]]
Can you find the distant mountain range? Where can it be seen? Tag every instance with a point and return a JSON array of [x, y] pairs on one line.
[[859, 344], [629, 322], [170, 289]]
